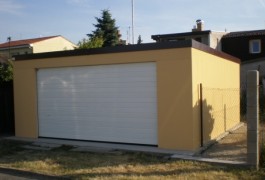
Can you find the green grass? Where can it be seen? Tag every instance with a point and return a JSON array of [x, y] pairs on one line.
[[121, 165]]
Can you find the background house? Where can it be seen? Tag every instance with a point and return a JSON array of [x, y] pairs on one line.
[[207, 37], [37, 45], [249, 46], [245, 45]]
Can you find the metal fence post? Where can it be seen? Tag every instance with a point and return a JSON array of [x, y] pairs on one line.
[[253, 118], [201, 114]]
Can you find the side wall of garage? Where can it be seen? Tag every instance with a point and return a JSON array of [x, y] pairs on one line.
[[220, 79], [174, 88]]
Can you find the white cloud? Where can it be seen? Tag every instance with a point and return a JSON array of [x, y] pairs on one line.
[[10, 7]]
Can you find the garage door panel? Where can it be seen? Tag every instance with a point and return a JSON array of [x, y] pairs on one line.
[[98, 101], [139, 116], [118, 111], [114, 103], [99, 120], [83, 96]]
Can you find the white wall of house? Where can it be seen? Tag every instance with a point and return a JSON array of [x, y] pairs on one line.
[[54, 44], [215, 40]]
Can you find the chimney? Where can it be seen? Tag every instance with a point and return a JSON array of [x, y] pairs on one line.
[[199, 26]]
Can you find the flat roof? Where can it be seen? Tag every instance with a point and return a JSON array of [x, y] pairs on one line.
[[128, 48], [175, 35]]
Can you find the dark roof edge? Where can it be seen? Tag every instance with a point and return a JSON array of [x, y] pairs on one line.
[[157, 36], [128, 48], [106, 50]]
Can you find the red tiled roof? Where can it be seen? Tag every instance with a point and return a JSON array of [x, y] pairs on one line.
[[24, 42]]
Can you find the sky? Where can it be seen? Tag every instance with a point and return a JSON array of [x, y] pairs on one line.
[[73, 19]]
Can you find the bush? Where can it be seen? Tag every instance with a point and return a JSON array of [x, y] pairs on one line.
[[6, 71]]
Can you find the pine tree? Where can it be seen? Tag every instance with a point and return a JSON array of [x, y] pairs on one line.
[[106, 29]]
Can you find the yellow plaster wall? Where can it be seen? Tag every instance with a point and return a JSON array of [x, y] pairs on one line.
[[220, 79], [25, 102], [174, 89], [175, 104]]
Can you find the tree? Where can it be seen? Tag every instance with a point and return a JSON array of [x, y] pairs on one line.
[[95, 42], [6, 69], [106, 29], [139, 41]]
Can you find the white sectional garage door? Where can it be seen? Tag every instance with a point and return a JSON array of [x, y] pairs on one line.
[[112, 103]]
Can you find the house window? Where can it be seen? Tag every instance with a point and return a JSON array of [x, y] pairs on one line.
[[254, 46]]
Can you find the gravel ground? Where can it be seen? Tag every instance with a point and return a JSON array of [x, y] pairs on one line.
[[233, 147]]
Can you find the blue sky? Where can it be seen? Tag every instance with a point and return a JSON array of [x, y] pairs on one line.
[[73, 19]]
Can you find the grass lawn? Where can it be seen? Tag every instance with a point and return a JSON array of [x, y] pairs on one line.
[[121, 165]]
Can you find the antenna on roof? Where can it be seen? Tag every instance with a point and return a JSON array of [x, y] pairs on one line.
[[9, 40]]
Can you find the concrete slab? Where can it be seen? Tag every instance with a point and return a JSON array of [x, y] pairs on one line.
[[93, 149], [36, 148], [97, 147], [48, 145], [114, 146], [208, 160]]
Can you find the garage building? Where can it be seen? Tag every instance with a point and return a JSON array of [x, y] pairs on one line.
[[146, 94]]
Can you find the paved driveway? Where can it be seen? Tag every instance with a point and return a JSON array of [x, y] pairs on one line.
[[233, 147]]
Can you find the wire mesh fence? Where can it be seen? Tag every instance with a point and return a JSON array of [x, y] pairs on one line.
[[221, 111], [224, 123]]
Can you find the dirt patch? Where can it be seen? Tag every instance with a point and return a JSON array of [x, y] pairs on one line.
[[232, 147]]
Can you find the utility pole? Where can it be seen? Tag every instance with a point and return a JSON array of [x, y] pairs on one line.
[[132, 21], [129, 35]]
